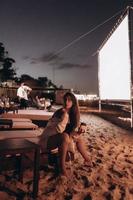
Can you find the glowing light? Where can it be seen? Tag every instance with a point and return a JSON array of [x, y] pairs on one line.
[[114, 65]]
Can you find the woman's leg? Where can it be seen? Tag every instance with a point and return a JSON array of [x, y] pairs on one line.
[[63, 148], [82, 149], [61, 141]]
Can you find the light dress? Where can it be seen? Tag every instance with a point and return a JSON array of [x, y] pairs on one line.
[[54, 126]]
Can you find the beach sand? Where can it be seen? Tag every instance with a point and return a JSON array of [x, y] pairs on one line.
[[109, 178]]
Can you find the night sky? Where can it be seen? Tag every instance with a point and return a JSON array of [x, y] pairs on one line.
[[35, 32]]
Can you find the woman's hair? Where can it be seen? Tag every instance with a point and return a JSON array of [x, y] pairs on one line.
[[74, 115]]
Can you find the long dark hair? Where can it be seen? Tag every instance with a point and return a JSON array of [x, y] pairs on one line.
[[74, 114]]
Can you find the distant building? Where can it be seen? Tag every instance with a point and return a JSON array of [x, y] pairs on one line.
[[85, 97], [59, 95]]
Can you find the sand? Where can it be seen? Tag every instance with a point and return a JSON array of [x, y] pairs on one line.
[[109, 178]]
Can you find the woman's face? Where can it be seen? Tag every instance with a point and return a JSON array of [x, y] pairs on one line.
[[68, 103]]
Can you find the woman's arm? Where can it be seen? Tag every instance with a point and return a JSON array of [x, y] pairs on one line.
[[81, 129], [61, 126]]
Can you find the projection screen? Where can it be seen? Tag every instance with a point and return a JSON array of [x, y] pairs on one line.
[[115, 66]]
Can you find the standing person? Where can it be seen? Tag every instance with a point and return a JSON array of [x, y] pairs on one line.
[[62, 129], [22, 94]]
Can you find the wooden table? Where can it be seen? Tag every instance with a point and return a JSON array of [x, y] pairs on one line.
[[22, 146]]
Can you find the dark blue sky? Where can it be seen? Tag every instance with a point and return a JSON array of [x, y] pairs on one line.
[[32, 31]]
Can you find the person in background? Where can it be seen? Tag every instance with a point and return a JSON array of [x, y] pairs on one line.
[[63, 130], [2, 105], [40, 102], [4, 102], [22, 94]]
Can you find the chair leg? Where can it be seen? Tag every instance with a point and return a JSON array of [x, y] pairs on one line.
[[20, 167]]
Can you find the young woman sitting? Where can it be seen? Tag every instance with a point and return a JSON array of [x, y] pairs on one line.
[[62, 129]]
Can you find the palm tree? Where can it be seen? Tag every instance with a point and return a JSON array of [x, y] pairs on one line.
[[7, 72], [6, 65], [2, 52]]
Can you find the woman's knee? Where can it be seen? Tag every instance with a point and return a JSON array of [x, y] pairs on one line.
[[80, 141]]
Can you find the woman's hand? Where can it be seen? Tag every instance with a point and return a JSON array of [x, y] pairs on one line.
[[82, 128]]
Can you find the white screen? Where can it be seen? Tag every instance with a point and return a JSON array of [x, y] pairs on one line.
[[115, 66]]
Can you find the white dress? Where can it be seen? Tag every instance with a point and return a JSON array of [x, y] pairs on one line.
[[55, 126]]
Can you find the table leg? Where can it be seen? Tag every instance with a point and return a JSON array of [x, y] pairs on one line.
[[36, 172]]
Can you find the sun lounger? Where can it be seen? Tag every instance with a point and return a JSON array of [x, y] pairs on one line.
[[16, 123], [6, 123], [24, 125], [16, 119], [27, 134]]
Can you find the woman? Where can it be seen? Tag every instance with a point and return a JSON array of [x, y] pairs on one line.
[[62, 129]]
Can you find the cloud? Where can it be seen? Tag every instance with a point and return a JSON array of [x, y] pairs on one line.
[[48, 57], [73, 65], [54, 59]]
